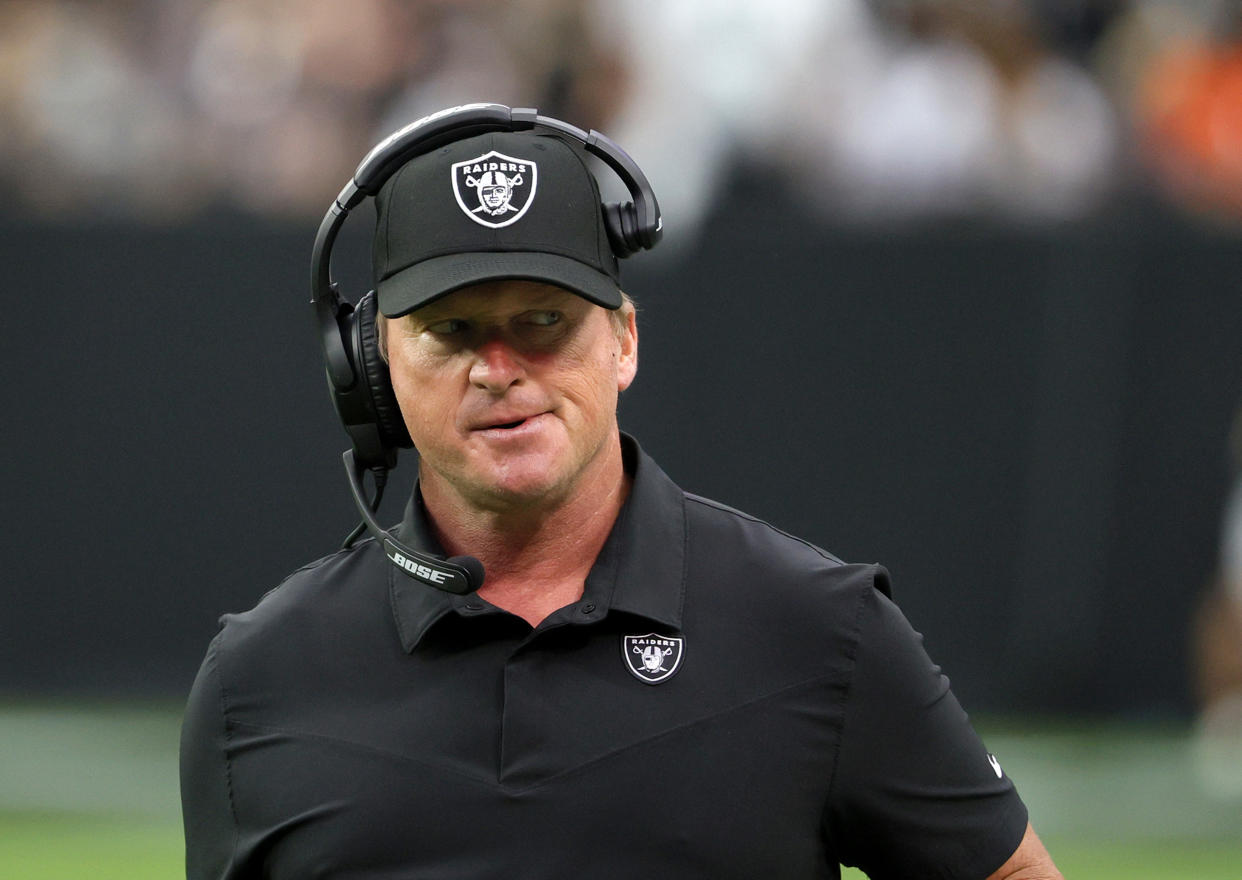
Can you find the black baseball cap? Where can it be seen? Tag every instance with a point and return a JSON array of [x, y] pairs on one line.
[[501, 205]]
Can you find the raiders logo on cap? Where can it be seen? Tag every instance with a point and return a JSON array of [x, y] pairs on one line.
[[652, 658], [494, 189]]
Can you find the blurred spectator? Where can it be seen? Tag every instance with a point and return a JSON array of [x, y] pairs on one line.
[[88, 129], [1188, 106], [1218, 653], [524, 53], [709, 79], [953, 107]]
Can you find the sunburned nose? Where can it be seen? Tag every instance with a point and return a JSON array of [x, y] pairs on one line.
[[496, 367]]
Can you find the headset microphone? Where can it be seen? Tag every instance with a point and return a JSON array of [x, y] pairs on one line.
[[457, 574]]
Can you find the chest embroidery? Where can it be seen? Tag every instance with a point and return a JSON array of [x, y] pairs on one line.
[[652, 658]]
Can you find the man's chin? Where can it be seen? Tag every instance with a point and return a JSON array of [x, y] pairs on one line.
[[519, 479], [514, 495], [539, 473]]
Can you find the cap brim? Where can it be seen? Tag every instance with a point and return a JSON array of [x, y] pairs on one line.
[[427, 281]]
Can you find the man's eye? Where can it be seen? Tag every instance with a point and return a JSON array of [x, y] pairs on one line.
[[446, 327], [543, 318]]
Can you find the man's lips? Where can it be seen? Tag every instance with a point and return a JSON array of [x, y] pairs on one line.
[[507, 422]]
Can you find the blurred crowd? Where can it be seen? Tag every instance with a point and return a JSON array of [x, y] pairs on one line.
[[865, 109]]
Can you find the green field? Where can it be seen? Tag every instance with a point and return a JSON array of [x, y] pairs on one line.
[[91, 792]]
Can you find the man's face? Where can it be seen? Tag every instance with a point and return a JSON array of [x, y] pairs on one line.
[[509, 389], [494, 195]]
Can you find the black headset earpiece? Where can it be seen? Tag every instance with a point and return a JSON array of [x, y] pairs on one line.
[[375, 376], [367, 405], [621, 222], [358, 377]]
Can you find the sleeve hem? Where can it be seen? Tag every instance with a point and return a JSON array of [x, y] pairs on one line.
[[983, 861]]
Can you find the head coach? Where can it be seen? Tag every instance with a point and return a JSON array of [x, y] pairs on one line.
[[559, 664]]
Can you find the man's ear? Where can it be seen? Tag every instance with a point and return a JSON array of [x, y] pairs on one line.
[[627, 358]]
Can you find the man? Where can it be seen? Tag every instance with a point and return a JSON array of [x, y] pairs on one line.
[[1217, 651], [646, 683]]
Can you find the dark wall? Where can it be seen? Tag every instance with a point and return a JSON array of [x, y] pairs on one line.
[[1026, 425]]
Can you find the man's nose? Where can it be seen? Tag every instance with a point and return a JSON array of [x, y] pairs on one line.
[[496, 366]]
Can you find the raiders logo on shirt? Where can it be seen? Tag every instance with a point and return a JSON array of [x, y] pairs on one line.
[[652, 658]]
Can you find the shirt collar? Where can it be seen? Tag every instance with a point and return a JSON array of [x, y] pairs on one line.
[[640, 569]]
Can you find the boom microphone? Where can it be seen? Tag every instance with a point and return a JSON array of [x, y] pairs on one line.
[[457, 574]]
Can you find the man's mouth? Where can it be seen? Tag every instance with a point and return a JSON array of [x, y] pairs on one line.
[[509, 424]]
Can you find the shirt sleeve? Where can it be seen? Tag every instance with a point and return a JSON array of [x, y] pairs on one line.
[[206, 797], [915, 793]]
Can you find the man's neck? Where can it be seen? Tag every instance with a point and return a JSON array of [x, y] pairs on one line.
[[536, 557]]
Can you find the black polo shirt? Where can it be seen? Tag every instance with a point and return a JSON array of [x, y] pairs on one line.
[[725, 701]]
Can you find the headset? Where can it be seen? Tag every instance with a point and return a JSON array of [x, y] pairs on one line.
[[357, 375]]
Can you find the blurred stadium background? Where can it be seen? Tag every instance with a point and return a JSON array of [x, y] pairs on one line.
[[948, 285]]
